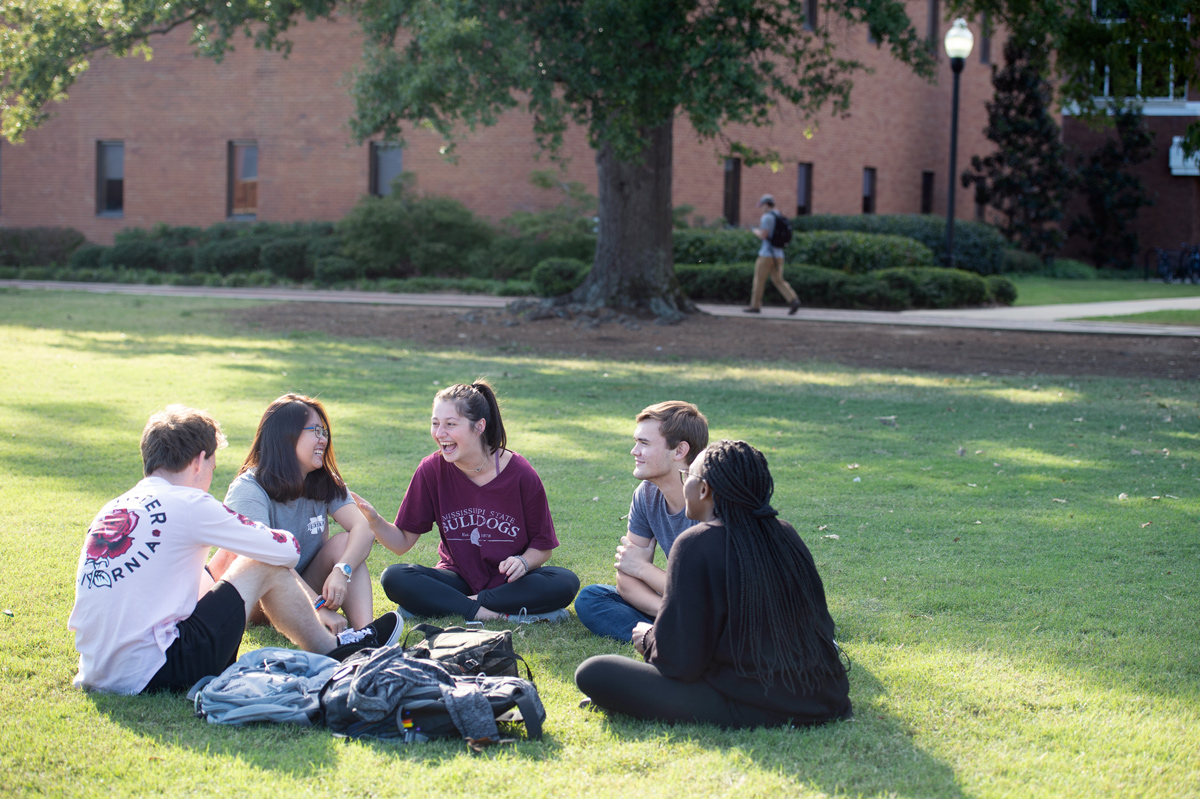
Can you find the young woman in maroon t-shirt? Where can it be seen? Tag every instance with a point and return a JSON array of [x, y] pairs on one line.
[[493, 520]]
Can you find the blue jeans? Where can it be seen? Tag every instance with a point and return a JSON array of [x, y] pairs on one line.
[[602, 611]]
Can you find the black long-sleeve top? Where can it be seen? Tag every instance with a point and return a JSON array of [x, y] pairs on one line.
[[691, 640]]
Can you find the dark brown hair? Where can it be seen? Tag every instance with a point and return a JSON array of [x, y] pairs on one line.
[[477, 401], [272, 454], [679, 421], [174, 436]]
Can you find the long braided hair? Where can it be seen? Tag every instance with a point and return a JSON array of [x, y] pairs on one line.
[[775, 617]]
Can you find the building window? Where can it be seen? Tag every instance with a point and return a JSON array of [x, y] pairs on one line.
[[927, 192], [110, 178], [386, 166], [810, 15], [243, 180], [985, 40], [933, 23], [869, 190], [733, 191], [804, 190], [980, 211], [1144, 70]]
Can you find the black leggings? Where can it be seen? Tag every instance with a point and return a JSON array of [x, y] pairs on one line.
[[440, 592], [640, 690]]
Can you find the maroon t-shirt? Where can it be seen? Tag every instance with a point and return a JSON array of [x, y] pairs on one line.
[[480, 525]]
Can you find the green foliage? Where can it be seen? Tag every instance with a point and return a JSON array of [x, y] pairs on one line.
[[37, 246], [1001, 290], [978, 247], [287, 258], [858, 253], [1019, 261], [332, 269], [405, 235], [134, 254], [1027, 179], [554, 277], [935, 287], [565, 230], [1068, 269], [226, 256], [180, 260], [714, 245], [1113, 194], [87, 257]]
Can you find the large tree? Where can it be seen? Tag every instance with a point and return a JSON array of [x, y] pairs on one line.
[[623, 70]]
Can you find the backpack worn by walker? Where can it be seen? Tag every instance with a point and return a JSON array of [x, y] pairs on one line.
[[781, 234], [390, 695], [269, 684], [467, 652]]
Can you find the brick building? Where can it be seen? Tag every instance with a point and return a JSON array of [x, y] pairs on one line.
[[182, 140]]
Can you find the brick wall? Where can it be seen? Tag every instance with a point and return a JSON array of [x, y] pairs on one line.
[[177, 113]]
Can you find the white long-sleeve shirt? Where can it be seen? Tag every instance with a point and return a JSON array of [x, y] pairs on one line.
[[139, 575]]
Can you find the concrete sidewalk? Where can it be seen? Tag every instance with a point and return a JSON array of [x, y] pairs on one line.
[[1036, 318]]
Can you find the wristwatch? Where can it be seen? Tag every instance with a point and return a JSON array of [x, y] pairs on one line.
[[345, 569]]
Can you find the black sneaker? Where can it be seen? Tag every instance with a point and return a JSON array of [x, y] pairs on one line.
[[384, 631], [751, 310], [794, 306]]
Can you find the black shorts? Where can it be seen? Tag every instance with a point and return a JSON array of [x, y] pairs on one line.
[[208, 641]]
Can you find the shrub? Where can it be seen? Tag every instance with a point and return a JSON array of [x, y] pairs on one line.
[[38, 246], [1019, 261], [134, 254], [515, 257], [935, 287], [716, 282], [167, 235], [87, 257], [1001, 290], [556, 276], [287, 258], [1068, 269], [332, 269], [858, 253], [716, 246], [9, 272], [978, 247], [258, 278], [226, 256], [180, 260]]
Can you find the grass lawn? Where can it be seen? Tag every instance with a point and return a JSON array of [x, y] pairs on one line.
[[1012, 562], [1051, 291], [1179, 317]]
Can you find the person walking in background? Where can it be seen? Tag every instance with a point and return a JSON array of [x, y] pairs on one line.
[[771, 229]]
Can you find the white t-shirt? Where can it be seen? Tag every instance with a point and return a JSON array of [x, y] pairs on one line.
[[139, 576]]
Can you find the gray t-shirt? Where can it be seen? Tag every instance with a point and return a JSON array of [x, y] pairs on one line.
[[649, 517], [307, 519], [767, 223]]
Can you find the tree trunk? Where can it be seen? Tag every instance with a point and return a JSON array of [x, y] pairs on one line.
[[634, 267]]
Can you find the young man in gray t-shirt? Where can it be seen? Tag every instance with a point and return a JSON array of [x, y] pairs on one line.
[[667, 438]]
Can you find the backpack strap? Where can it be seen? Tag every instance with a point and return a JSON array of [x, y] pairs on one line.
[[426, 630]]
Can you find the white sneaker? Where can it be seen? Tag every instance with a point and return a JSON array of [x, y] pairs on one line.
[[525, 617]]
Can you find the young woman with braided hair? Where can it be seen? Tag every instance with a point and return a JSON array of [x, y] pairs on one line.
[[493, 518], [744, 637]]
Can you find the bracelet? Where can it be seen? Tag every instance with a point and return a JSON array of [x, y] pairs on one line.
[[641, 644], [524, 563]]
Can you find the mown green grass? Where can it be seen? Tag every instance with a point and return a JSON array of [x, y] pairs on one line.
[[1014, 573], [1177, 317], [1033, 290]]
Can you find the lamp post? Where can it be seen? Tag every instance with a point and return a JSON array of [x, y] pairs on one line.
[[958, 43]]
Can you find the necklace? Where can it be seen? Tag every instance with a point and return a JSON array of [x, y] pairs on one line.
[[480, 469]]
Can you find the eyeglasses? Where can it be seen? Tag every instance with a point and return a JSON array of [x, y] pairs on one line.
[[320, 431], [684, 474]]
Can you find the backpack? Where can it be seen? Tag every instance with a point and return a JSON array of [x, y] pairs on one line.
[[387, 694], [781, 234], [467, 652], [270, 684]]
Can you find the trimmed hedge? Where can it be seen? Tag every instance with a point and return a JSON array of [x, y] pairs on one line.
[[556, 276], [226, 256], [978, 247], [38, 246], [287, 258], [331, 269], [859, 253], [716, 246], [134, 254]]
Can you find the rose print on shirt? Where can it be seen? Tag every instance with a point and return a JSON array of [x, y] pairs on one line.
[[108, 538]]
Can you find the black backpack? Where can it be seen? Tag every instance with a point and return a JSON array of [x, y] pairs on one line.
[[781, 234], [386, 694], [467, 652]]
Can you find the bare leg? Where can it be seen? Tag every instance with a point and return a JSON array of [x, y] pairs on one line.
[[359, 605], [284, 600]]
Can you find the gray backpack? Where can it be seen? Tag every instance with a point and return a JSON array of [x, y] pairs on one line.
[[270, 684]]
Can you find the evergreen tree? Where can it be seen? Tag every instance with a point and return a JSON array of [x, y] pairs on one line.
[[1028, 177], [1113, 194]]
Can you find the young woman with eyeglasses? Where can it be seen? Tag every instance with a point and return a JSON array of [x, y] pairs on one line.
[[290, 481], [488, 503], [744, 637]]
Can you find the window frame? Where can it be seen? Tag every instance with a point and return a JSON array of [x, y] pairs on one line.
[[233, 211], [104, 179], [376, 187], [804, 179], [732, 200], [870, 176]]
